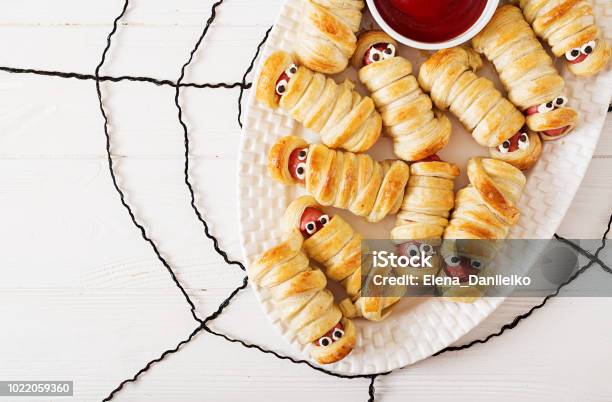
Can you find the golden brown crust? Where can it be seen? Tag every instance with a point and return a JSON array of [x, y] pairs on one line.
[[365, 41], [303, 302], [523, 159], [567, 25], [271, 70], [278, 157], [525, 69], [448, 75], [486, 209], [355, 182], [342, 117], [427, 203], [326, 38], [418, 131]]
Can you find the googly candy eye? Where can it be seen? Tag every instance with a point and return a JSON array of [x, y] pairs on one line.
[[588, 47], [303, 155], [413, 250], [452, 260], [546, 107], [300, 171], [426, 249], [523, 141], [291, 70], [504, 147], [324, 341], [389, 51], [560, 101], [337, 334], [375, 55], [573, 54], [324, 219], [476, 264], [281, 87], [311, 227]]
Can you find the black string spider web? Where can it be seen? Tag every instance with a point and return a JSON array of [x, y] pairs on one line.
[[202, 324]]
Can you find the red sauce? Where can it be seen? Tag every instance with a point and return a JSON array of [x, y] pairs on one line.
[[430, 21]]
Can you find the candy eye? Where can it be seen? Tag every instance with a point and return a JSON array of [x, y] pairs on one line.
[[302, 155], [337, 334], [504, 147], [572, 54], [560, 101], [523, 141], [427, 249], [452, 260], [324, 219], [476, 264], [291, 70], [546, 107], [375, 55], [311, 227], [325, 341], [588, 47], [300, 171], [389, 51], [413, 250], [281, 87]]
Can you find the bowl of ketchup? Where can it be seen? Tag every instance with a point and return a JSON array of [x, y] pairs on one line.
[[432, 24]]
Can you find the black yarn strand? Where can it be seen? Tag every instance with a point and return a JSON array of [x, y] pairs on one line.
[[150, 364], [248, 70], [143, 231], [186, 168], [372, 389], [159, 82]]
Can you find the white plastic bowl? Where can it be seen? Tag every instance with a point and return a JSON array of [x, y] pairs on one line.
[[480, 23]]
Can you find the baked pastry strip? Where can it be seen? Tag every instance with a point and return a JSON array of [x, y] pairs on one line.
[[568, 26], [338, 113], [305, 306], [533, 84], [345, 180], [425, 210], [485, 210], [326, 37], [448, 76], [332, 242], [417, 130]]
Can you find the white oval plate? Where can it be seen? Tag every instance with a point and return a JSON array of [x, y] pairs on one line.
[[416, 329]]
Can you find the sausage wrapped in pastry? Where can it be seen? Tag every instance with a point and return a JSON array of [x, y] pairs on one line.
[[448, 75], [333, 243], [326, 38], [569, 28], [485, 210], [417, 130], [527, 72], [522, 150], [342, 117], [306, 307], [345, 180], [424, 213]]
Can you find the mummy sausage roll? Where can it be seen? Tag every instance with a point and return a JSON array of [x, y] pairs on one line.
[[332, 242], [424, 213], [448, 75], [345, 180], [417, 130], [486, 210], [569, 28], [306, 307], [342, 117], [326, 38], [527, 72]]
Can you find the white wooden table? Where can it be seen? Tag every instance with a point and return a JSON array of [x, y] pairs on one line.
[[83, 298]]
